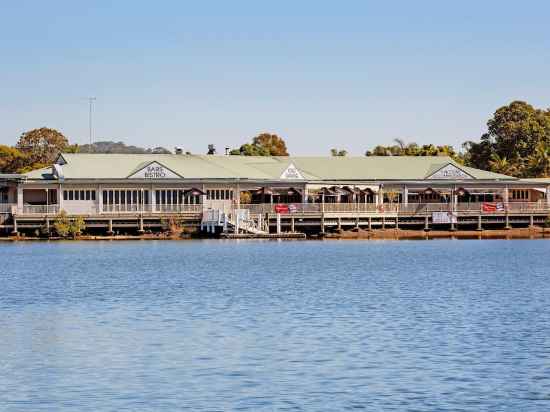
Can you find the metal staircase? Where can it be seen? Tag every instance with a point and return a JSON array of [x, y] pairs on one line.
[[236, 221]]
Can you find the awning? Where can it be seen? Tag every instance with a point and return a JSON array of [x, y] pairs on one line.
[[287, 191], [326, 192], [317, 187], [263, 191], [429, 191], [340, 190], [193, 192]]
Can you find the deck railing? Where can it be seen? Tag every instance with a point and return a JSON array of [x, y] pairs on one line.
[[399, 208], [302, 208], [158, 208], [7, 207], [125, 208], [178, 208], [40, 209]]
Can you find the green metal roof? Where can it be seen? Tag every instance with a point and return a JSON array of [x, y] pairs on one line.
[[537, 179], [121, 166], [11, 176]]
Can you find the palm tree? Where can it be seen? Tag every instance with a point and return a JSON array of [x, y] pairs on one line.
[[500, 164], [538, 163], [400, 143]]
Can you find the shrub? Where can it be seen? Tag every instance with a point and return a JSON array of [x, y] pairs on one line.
[[61, 224], [64, 226]]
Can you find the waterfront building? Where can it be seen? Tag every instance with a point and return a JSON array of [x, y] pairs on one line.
[[139, 190]]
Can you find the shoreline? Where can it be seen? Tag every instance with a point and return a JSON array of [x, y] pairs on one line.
[[407, 234], [357, 234]]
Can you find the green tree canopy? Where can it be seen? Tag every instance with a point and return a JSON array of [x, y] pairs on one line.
[[42, 145], [108, 146], [516, 142], [336, 152], [11, 159], [265, 144], [412, 149]]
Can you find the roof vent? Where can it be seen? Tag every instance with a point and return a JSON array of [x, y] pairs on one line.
[[178, 150]]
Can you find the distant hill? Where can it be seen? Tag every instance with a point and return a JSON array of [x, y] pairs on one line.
[[119, 147]]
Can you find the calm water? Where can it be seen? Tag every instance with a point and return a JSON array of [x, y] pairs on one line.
[[316, 326]]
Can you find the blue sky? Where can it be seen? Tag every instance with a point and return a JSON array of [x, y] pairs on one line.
[[322, 74]]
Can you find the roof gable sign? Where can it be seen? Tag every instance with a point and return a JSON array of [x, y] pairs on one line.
[[450, 172], [154, 170], [291, 173]]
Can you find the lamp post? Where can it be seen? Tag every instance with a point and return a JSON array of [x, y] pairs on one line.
[[90, 128]]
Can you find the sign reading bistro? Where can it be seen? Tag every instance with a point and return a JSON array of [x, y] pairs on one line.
[[154, 170]]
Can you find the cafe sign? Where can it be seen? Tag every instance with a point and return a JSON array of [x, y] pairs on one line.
[[450, 172], [292, 173], [154, 170]]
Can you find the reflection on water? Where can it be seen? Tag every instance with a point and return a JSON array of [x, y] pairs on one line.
[[213, 325]]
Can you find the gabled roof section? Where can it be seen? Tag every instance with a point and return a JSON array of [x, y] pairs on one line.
[[291, 173], [449, 171], [123, 166]]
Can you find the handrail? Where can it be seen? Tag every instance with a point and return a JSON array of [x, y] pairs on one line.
[[7, 207], [161, 208], [306, 208], [400, 208], [40, 209]]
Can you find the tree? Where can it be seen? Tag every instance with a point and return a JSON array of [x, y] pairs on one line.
[[538, 163], [413, 149], [11, 159], [265, 144], [108, 146], [211, 149], [336, 152], [65, 226], [400, 143], [514, 133], [42, 145], [61, 224], [500, 164]]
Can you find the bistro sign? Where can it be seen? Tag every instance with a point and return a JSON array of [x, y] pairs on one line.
[[154, 170]]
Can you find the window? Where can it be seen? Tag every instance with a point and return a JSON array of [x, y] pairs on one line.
[[520, 194], [65, 195], [92, 193]]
